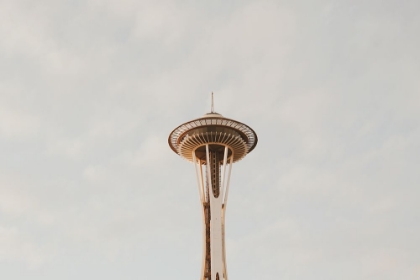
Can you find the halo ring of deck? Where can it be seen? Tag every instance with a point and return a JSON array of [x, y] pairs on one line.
[[213, 129]]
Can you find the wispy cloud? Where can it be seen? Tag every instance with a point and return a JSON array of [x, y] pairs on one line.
[[89, 92]]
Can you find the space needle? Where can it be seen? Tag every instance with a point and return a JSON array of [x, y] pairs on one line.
[[213, 143]]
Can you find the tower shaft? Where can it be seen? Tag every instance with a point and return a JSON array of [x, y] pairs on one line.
[[213, 189]]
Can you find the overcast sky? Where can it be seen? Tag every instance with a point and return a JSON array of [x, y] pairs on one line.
[[90, 90]]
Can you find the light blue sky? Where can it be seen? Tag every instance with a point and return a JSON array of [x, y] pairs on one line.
[[90, 90]]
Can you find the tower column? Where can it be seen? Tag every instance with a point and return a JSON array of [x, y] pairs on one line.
[[213, 189]]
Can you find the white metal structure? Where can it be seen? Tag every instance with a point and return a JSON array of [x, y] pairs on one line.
[[213, 143]]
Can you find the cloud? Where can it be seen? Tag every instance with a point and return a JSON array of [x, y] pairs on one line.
[[89, 92], [14, 125], [16, 247]]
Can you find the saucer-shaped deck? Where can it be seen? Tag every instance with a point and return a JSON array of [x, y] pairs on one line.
[[215, 130]]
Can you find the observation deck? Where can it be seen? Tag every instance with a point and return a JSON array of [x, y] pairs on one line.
[[215, 130]]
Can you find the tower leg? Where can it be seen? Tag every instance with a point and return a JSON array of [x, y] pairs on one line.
[[213, 195]]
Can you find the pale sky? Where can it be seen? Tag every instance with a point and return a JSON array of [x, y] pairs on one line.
[[90, 90]]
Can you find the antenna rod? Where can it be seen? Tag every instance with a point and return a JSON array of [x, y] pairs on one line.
[[212, 103]]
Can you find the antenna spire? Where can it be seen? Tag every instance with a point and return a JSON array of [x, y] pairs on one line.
[[212, 102]]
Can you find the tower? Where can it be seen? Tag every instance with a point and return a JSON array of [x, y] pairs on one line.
[[213, 143]]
